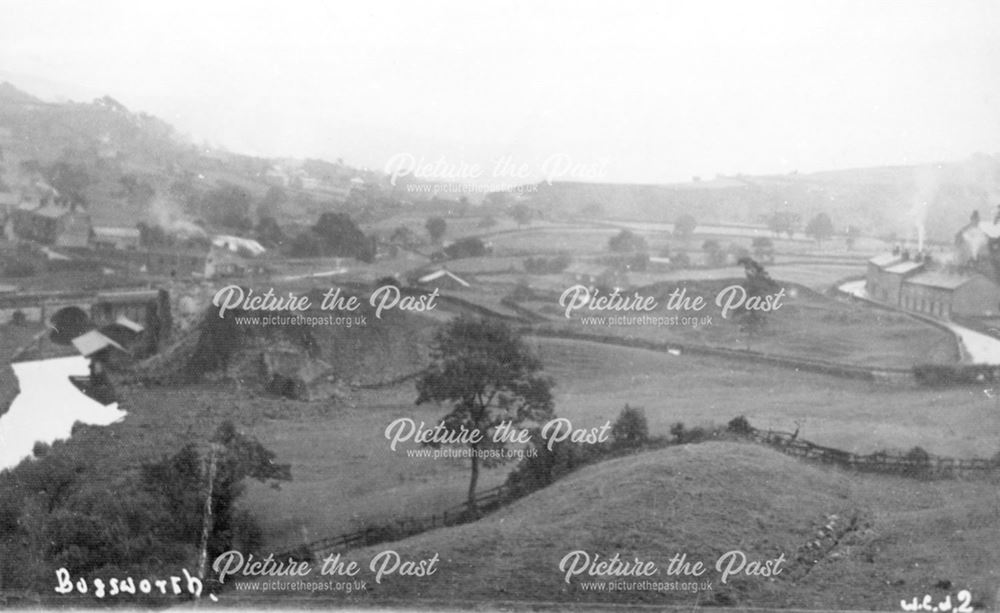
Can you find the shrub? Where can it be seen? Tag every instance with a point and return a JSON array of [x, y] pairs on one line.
[[631, 428], [739, 425], [678, 431]]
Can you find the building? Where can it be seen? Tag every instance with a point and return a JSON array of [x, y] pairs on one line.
[[921, 287], [174, 262], [943, 294], [53, 224], [886, 274], [223, 262], [444, 279], [121, 239]]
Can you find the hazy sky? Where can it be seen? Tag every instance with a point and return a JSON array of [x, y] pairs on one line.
[[644, 91]]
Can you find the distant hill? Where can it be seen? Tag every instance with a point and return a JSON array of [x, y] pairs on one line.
[[878, 201], [128, 167]]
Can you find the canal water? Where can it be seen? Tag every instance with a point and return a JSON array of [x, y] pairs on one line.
[[47, 407]]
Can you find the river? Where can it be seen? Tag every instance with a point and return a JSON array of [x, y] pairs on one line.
[[47, 407]]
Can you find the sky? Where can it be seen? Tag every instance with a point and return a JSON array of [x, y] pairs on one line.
[[622, 91]]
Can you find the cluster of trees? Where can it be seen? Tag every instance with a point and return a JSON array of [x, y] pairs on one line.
[[820, 226], [55, 512], [334, 234], [542, 265], [627, 241]]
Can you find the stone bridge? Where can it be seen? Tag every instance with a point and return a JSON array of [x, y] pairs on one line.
[[148, 307]]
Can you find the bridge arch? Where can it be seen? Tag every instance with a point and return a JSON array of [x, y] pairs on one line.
[[68, 323]]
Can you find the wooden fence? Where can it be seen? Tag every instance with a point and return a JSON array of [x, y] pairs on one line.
[[486, 501], [915, 463]]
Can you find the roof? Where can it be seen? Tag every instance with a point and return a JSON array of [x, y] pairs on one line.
[[125, 322], [90, 343], [940, 280], [886, 259], [237, 244], [905, 267], [52, 211], [116, 232], [434, 276]]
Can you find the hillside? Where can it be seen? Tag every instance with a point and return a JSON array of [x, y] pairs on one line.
[[879, 201], [703, 501], [352, 348]]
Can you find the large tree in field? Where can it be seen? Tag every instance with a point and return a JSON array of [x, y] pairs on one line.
[[758, 284], [482, 369], [820, 227]]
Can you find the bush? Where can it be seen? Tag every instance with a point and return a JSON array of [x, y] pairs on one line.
[[921, 461], [683, 436], [739, 425], [631, 428]]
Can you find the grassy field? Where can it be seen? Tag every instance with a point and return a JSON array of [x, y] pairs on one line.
[[594, 381], [345, 475], [807, 325], [703, 501]]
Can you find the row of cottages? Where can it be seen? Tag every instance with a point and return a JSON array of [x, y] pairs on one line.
[[912, 286]]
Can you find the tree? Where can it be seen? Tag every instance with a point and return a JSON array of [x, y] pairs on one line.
[[631, 428], [436, 227], [483, 369], [763, 248], [716, 256], [521, 213], [627, 241], [685, 225], [341, 237], [783, 222], [269, 233], [228, 206], [471, 247], [758, 283], [820, 227], [853, 233], [270, 205]]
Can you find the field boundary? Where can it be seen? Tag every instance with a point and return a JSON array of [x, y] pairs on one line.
[[915, 463], [486, 501]]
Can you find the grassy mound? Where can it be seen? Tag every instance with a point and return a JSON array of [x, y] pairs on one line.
[[846, 541]]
